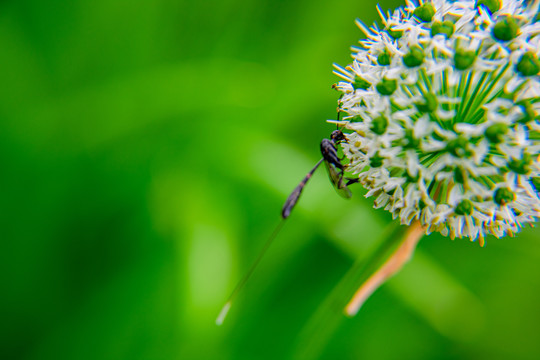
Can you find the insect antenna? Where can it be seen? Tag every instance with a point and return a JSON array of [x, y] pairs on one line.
[[338, 116], [334, 86]]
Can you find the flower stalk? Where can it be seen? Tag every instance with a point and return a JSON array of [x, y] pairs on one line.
[[390, 254], [395, 261]]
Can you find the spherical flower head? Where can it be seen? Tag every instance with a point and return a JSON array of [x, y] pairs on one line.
[[442, 103]]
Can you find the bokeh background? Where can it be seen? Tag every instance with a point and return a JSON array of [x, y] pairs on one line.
[[146, 148]]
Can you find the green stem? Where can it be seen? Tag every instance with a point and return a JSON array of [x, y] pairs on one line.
[[490, 85], [473, 98], [463, 95], [364, 277]]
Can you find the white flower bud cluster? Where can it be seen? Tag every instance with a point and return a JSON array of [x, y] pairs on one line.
[[443, 107]]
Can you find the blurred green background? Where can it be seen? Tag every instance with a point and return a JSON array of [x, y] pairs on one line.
[[146, 148]]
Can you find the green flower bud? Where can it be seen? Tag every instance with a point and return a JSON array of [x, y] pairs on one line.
[[384, 58], [536, 183], [494, 133], [506, 29], [508, 96], [459, 147], [445, 28], [409, 141], [429, 104], [387, 86], [528, 111], [395, 34], [379, 125], [360, 83], [465, 207], [425, 12], [521, 166], [376, 161], [528, 65], [503, 196], [492, 5], [464, 59], [415, 57], [411, 179], [459, 175]]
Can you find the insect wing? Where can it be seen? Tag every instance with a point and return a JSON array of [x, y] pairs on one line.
[[337, 180]]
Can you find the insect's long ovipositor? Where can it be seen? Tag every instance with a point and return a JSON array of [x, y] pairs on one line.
[[225, 310], [333, 164]]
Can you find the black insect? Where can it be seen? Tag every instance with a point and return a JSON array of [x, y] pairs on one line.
[[336, 173]]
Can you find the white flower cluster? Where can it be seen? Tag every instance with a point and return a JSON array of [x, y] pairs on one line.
[[443, 103]]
